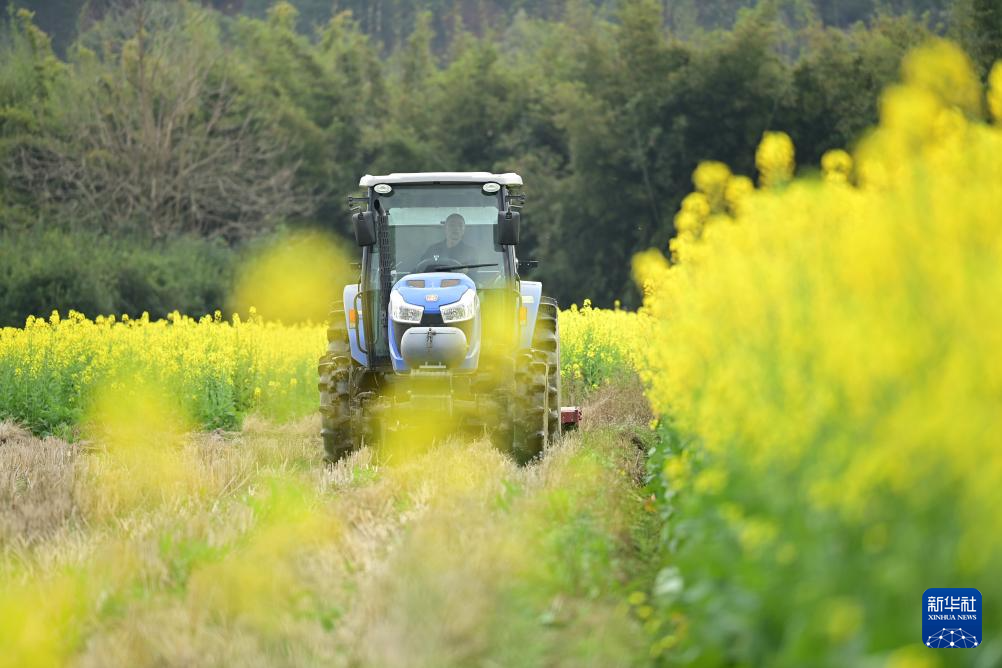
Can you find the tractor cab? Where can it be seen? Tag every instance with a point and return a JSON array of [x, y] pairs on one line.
[[438, 250]]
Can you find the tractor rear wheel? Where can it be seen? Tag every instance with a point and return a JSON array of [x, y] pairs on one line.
[[335, 369], [538, 387], [547, 339], [531, 427]]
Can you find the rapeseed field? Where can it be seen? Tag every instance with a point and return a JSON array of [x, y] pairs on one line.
[[216, 372], [826, 364], [821, 352]]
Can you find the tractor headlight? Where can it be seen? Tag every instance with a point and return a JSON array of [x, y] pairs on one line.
[[401, 311], [464, 309]]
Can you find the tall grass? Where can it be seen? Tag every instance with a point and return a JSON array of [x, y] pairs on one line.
[[242, 550]]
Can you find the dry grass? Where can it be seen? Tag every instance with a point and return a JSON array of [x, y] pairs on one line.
[[259, 555], [36, 486], [618, 405]]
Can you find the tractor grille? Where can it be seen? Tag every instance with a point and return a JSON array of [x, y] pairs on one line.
[[434, 320]]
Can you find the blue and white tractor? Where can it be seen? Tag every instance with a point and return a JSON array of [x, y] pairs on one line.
[[440, 323]]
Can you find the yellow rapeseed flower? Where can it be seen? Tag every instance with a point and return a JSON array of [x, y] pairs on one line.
[[995, 92], [774, 159]]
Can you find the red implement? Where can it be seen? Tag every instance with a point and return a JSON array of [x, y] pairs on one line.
[[570, 416]]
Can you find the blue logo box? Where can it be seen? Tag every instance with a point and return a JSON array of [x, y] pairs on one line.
[[951, 618]]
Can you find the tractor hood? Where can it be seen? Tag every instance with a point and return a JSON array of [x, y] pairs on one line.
[[434, 323], [433, 290]]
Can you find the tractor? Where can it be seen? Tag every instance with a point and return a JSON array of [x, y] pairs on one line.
[[440, 326]]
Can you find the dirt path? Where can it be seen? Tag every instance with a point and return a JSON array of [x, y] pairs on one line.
[[259, 555]]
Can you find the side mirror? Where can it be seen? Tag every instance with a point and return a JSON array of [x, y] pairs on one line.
[[508, 227], [365, 228], [527, 264]]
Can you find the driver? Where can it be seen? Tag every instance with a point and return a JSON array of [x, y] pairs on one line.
[[453, 246]]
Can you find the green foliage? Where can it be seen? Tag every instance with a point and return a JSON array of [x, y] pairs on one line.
[[603, 112], [28, 74], [42, 271], [977, 25], [836, 85], [389, 22]]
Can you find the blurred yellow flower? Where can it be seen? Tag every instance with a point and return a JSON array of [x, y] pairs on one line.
[[836, 166], [995, 92], [774, 159]]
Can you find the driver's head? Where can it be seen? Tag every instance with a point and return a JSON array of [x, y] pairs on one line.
[[455, 226]]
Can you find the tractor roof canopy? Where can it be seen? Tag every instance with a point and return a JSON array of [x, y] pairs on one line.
[[508, 179]]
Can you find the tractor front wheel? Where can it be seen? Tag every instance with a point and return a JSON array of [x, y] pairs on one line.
[[335, 392]]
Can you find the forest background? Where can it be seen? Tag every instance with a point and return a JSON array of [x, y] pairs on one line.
[[146, 148]]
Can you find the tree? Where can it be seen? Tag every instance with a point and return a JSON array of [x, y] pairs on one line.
[[29, 71], [417, 60], [836, 86], [150, 133], [316, 97], [977, 25]]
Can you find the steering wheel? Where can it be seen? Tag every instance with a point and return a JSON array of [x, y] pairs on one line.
[[442, 264]]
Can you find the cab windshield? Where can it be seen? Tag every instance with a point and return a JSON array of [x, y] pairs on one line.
[[444, 228]]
